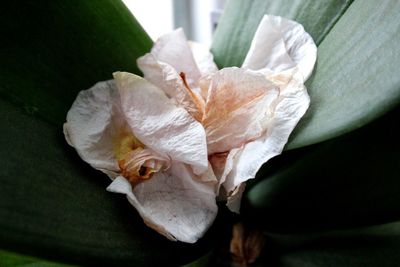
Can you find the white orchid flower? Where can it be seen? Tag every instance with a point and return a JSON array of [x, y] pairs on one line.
[[187, 132]]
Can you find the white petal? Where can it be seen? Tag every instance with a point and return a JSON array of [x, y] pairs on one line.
[[222, 164], [234, 201], [237, 108], [174, 203], [281, 44], [165, 77], [174, 50], [159, 124], [91, 126], [161, 74], [204, 59], [290, 107]]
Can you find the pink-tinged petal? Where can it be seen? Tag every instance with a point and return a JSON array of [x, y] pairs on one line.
[[222, 164], [203, 58], [159, 124], [175, 203], [165, 77], [289, 108], [92, 124], [235, 199], [237, 108], [281, 44], [173, 49], [161, 74]]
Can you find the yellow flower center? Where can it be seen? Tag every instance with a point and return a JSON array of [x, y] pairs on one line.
[[136, 163]]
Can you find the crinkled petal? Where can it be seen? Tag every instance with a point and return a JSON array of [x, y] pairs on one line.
[[159, 124], [91, 126], [281, 44], [234, 201], [162, 75], [237, 108], [173, 49], [290, 107], [222, 164], [203, 58], [165, 77], [174, 203]]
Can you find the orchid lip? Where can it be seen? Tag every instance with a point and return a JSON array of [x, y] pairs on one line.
[[136, 162]]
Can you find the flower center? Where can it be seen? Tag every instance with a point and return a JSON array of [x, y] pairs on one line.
[[136, 162]]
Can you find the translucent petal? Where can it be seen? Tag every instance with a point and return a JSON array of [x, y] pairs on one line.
[[234, 201], [237, 108], [174, 50], [165, 77], [281, 44], [92, 124], [203, 58], [289, 108], [175, 203]]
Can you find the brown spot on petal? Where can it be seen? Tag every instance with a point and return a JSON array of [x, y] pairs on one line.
[[136, 162], [135, 172], [246, 245]]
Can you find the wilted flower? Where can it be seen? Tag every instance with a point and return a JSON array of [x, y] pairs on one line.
[[187, 132]]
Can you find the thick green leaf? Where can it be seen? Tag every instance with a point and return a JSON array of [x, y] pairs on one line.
[[241, 18], [52, 204], [55, 206], [201, 262], [363, 247], [51, 51], [10, 259], [348, 181], [358, 247], [355, 79]]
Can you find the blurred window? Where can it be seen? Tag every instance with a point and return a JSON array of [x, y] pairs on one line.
[[198, 18]]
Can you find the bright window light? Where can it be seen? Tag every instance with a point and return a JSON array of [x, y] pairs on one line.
[[155, 16]]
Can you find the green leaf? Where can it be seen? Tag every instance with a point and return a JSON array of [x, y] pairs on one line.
[[366, 247], [54, 50], [345, 182], [355, 79], [240, 20], [10, 259], [371, 246], [201, 262], [52, 204], [55, 206]]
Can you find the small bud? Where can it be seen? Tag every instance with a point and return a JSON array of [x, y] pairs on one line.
[[246, 245]]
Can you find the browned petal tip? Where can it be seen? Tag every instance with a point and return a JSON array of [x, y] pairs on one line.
[[246, 245], [135, 176]]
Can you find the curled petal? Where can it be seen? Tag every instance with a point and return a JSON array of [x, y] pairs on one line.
[[159, 124], [289, 108], [92, 124], [175, 203], [140, 164], [234, 199], [281, 44], [173, 49], [222, 164], [237, 108], [162, 75]]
